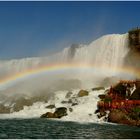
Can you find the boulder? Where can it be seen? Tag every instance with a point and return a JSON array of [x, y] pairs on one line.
[[65, 102], [20, 103], [48, 115], [120, 88], [4, 109], [50, 106], [83, 93], [135, 95], [102, 96], [73, 104], [70, 109], [68, 95], [70, 101], [121, 117], [117, 116], [98, 88], [101, 113], [96, 111], [60, 112]]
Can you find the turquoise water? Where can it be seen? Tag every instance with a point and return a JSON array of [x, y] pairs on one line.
[[50, 129]]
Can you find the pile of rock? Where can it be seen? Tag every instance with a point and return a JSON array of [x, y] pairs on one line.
[[122, 101], [59, 113], [62, 111]]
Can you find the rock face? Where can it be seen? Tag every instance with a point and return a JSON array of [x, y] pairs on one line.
[[70, 109], [82, 93], [68, 95], [123, 103], [116, 116], [4, 109], [50, 106], [19, 105], [102, 96], [98, 88], [120, 90], [124, 117], [136, 94], [47, 115], [59, 113], [134, 38]]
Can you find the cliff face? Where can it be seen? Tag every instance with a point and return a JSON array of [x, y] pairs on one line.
[[132, 58], [134, 38], [123, 103]]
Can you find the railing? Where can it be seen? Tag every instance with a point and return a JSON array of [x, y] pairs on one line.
[[118, 104]]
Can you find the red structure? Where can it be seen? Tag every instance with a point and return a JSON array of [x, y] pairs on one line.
[[119, 104], [117, 97]]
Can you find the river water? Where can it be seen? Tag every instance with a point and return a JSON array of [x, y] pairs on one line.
[[52, 129]]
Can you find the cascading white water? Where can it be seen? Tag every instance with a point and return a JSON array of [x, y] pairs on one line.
[[104, 55], [107, 51]]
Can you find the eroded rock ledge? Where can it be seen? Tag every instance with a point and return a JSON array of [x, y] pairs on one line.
[[122, 103]]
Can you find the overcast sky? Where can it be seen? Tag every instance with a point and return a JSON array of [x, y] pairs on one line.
[[29, 29]]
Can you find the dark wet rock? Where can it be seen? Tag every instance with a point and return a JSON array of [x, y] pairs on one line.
[[60, 112], [70, 101], [19, 104], [123, 117], [122, 104], [102, 96], [4, 109], [50, 106], [135, 95], [101, 114], [70, 109], [48, 115], [97, 111], [68, 95], [135, 113], [83, 93], [134, 39], [73, 104], [116, 116], [98, 88], [106, 91], [64, 102], [120, 87]]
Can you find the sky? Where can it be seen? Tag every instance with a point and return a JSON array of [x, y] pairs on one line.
[[30, 29]]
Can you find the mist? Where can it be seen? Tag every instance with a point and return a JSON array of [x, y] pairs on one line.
[[100, 63]]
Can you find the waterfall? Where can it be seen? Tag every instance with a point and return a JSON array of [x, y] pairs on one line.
[[107, 51]]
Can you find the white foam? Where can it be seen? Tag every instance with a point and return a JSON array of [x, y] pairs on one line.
[[83, 112]]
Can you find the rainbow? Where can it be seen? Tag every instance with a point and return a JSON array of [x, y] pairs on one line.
[[57, 67]]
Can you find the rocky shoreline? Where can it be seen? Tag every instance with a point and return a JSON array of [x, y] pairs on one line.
[[62, 111], [121, 103]]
